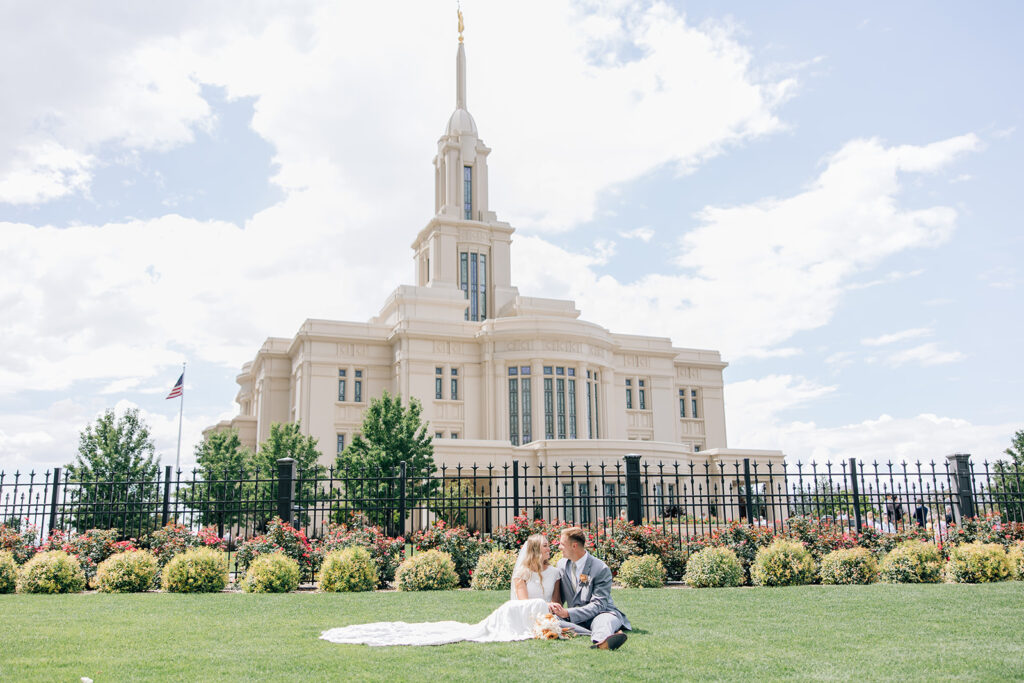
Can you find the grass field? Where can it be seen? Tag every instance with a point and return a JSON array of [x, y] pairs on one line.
[[874, 632]]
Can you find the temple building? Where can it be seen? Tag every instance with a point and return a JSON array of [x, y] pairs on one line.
[[501, 376]]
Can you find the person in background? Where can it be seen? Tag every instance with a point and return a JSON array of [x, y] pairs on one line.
[[921, 513], [949, 515]]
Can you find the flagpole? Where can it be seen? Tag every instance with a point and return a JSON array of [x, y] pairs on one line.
[[181, 412]]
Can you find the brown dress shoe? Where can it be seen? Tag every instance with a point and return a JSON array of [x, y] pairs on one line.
[[612, 642]]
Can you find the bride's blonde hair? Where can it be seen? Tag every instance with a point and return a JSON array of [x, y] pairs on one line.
[[532, 560]]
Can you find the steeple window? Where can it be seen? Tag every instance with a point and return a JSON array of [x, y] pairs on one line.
[[519, 405], [467, 192], [473, 283]]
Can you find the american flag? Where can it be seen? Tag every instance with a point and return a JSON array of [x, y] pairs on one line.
[[178, 387]]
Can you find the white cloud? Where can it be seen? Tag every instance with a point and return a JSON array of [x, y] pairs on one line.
[[894, 276], [759, 416], [644, 234], [925, 354], [43, 439], [1000, 277], [752, 276], [896, 336]]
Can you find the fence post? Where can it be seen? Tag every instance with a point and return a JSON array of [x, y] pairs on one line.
[[856, 493], [401, 498], [963, 485], [747, 488], [634, 504], [515, 488], [285, 488], [53, 499], [166, 515]]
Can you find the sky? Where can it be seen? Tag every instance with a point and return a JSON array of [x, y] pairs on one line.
[[824, 192]]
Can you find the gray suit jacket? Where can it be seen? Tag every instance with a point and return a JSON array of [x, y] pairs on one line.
[[586, 602]]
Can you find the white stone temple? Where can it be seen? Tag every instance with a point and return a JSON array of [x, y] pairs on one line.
[[501, 376]]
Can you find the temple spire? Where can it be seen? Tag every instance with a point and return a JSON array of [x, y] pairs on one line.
[[460, 72]]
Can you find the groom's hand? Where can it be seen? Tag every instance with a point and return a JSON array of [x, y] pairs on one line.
[[559, 611]]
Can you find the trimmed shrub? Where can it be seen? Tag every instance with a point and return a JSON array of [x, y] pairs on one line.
[[272, 573], [199, 570], [175, 538], [783, 563], [8, 572], [912, 562], [743, 539], [714, 567], [90, 547], [494, 571], [848, 566], [430, 571], [387, 552], [280, 537], [977, 563], [128, 572], [1016, 557], [348, 570], [53, 571], [642, 571], [464, 547]]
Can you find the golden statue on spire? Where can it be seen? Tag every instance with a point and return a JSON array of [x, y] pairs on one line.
[[461, 27]]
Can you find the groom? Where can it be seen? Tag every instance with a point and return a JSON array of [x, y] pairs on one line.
[[587, 590]]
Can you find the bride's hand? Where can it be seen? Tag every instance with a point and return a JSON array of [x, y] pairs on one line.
[[558, 610]]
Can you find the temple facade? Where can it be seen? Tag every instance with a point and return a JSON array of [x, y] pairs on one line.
[[501, 376]]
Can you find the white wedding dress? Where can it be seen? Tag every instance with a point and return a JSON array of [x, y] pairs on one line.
[[513, 620]]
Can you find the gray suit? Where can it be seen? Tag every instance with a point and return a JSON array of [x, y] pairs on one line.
[[591, 610]]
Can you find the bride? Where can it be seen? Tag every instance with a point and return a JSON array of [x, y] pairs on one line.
[[535, 584]]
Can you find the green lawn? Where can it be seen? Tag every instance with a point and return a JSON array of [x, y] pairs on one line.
[[814, 632]]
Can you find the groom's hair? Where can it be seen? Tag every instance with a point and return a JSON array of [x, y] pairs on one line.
[[574, 533]]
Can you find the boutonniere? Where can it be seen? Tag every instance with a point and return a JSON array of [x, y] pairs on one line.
[[584, 580]]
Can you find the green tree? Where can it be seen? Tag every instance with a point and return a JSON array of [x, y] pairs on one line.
[[391, 433], [286, 440], [1007, 485], [225, 466], [116, 475]]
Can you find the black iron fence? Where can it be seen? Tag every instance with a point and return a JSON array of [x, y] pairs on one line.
[[683, 500]]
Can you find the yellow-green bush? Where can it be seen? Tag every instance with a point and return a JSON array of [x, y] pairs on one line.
[[127, 572], [977, 563], [642, 571], [912, 562], [494, 571], [714, 567], [848, 566], [272, 573], [348, 570], [51, 572], [430, 571], [783, 563], [199, 570], [1016, 557], [8, 572]]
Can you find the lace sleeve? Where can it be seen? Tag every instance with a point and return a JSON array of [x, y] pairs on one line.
[[523, 574]]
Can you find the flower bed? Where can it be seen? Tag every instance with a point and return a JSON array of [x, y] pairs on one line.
[[20, 542], [463, 547], [387, 552], [280, 537]]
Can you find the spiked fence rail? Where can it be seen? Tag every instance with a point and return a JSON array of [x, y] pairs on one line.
[[682, 500]]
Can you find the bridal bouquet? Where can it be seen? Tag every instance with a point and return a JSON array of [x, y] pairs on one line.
[[548, 627]]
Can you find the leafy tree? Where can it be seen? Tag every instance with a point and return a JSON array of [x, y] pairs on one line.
[[391, 433], [1008, 480], [225, 466], [116, 475], [286, 440]]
